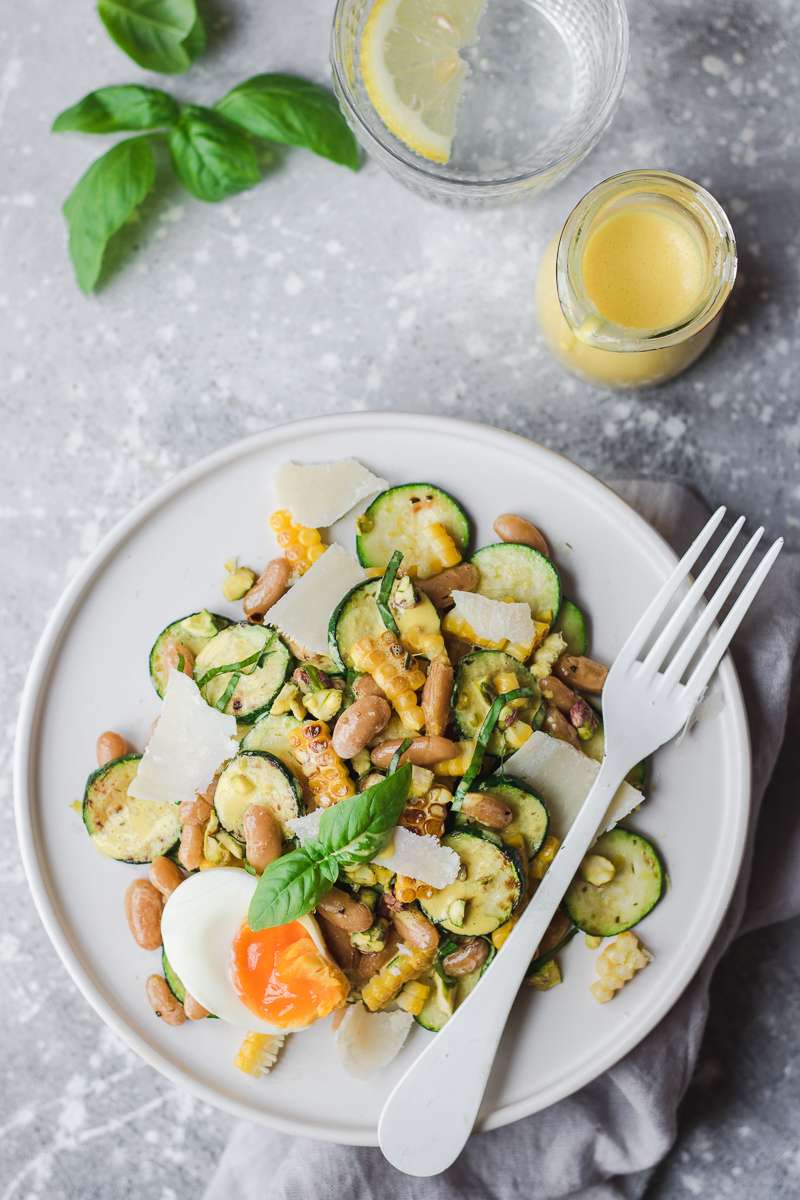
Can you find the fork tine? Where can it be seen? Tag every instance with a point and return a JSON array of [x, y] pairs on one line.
[[670, 632], [646, 623], [708, 664], [694, 638]]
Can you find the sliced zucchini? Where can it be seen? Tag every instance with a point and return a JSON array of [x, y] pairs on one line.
[[487, 895], [513, 572], [635, 890], [474, 690], [558, 934], [441, 1003], [398, 518], [271, 734], [242, 669], [135, 831], [530, 815], [254, 777], [357, 616], [571, 624], [193, 632]]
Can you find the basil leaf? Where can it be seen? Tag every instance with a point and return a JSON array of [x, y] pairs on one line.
[[159, 35], [111, 109], [355, 830], [103, 200], [291, 886], [285, 108], [212, 158]]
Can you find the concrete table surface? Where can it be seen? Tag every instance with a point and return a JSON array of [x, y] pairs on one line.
[[320, 291]]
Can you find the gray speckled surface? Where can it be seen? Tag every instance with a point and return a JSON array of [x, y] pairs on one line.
[[320, 291]]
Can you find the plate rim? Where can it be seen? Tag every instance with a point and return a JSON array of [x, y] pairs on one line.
[[30, 711]]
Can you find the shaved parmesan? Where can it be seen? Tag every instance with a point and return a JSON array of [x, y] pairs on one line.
[[495, 620], [318, 494], [306, 829], [303, 613], [366, 1042], [562, 776], [188, 744], [421, 857]]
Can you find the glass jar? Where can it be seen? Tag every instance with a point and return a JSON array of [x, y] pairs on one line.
[[632, 291]]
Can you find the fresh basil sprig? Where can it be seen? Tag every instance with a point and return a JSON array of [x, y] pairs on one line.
[[297, 112], [353, 831], [105, 197], [160, 35]]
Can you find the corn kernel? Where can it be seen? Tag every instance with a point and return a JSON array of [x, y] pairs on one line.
[[542, 860], [591, 942], [443, 546], [412, 998], [328, 778], [455, 767], [517, 734], [406, 966], [301, 545], [597, 870], [618, 964]]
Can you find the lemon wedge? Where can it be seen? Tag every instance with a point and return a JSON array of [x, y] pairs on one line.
[[413, 71]]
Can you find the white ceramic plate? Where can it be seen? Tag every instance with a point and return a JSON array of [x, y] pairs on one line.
[[90, 673]]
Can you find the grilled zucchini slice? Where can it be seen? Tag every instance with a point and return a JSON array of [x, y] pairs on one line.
[[487, 896], [357, 616], [129, 830], [398, 518], [254, 777], [635, 890], [510, 571], [571, 624], [530, 815], [474, 690], [242, 669]]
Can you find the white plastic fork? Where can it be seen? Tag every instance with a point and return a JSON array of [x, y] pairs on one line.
[[431, 1111]]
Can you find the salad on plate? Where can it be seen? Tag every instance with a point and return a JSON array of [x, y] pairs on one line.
[[351, 792]]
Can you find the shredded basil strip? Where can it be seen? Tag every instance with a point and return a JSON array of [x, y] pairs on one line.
[[398, 754], [385, 591], [484, 734]]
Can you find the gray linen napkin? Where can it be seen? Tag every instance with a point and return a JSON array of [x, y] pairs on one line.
[[603, 1142]]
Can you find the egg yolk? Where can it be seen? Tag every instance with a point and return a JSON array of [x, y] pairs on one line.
[[281, 976]]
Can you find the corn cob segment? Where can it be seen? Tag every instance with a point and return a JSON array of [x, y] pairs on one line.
[[407, 890], [301, 545], [407, 965], [328, 778], [427, 814], [384, 659], [258, 1053]]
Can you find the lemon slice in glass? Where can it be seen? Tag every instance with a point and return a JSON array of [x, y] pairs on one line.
[[413, 71]]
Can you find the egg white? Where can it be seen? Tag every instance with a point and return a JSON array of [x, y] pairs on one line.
[[199, 922]]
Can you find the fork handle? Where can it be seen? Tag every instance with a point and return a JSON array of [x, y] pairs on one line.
[[431, 1111]]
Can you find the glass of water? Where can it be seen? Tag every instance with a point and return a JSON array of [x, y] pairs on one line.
[[538, 83]]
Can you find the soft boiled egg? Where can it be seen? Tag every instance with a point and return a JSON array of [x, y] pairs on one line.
[[277, 980]]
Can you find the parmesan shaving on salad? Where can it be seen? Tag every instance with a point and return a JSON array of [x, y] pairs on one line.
[[317, 494], [495, 620], [303, 613]]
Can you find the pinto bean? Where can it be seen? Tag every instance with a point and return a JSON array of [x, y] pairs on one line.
[[143, 905], [557, 693], [190, 851], [511, 528], [178, 656], [469, 956], [194, 1009], [436, 697], [263, 837], [369, 964], [165, 875], [162, 1001], [338, 942], [267, 589], [415, 929], [423, 751], [582, 673], [365, 685], [194, 812], [343, 910], [487, 810], [462, 578], [557, 725], [359, 724], [111, 745]]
